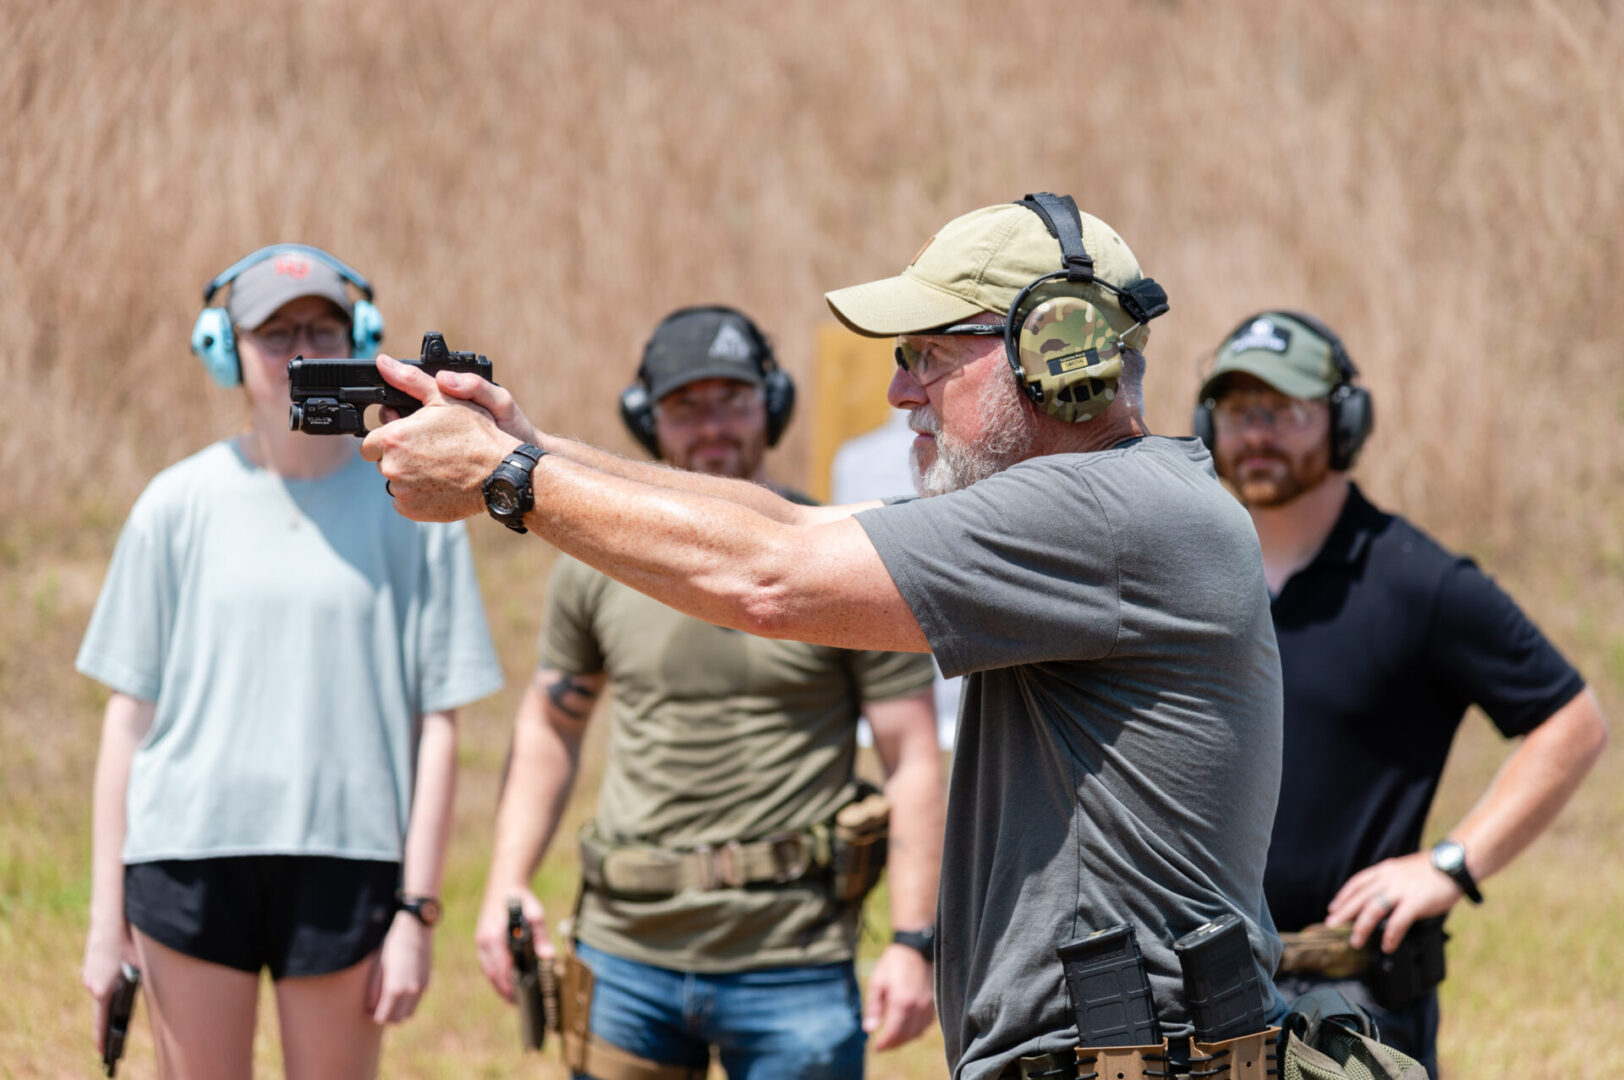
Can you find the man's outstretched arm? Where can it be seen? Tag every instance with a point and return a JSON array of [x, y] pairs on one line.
[[723, 556]]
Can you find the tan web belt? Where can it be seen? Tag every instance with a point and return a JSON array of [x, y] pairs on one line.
[[638, 870]]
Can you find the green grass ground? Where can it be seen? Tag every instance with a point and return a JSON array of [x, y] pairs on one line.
[[1536, 978]]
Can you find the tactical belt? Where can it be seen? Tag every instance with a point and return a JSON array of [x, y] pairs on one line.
[[1250, 1057], [642, 871]]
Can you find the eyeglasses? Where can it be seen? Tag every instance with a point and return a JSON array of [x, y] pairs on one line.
[[722, 403], [326, 338], [1235, 411], [925, 366]]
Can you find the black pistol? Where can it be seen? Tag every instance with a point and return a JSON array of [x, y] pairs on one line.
[[1221, 984], [330, 397], [531, 982], [1110, 990], [119, 1008]]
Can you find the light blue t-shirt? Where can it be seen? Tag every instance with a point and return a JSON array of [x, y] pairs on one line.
[[291, 632]]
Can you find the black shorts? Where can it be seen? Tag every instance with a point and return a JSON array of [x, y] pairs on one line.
[[295, 914]]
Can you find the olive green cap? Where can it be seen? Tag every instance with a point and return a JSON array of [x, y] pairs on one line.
[[980, 262], [1284, 352]]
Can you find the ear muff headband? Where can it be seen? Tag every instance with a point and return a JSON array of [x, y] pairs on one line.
[[777, 388], [1353, 412], [1061, 349], [216, 345]]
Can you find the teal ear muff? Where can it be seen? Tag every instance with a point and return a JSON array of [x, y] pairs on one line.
[[215, 344], [366, 330]]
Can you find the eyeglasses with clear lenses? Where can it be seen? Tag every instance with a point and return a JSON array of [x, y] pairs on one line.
[[327, 337], [927, 365], [731, 402], [1235, 411]]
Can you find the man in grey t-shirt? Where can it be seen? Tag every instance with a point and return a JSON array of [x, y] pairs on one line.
[[1119, 746]]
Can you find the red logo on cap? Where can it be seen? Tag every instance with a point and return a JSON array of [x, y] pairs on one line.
[[296, 266]]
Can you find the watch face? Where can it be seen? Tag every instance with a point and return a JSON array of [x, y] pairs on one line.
[[1448, 857], [429, 910], [502, 498]]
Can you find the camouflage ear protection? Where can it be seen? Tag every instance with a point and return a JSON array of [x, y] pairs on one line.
[[1353, 413], [1064, 354], [777, 388], [215, 343]]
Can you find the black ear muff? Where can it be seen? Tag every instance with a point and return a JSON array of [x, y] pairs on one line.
[[637, 413], [778, 392], [1201, 426]]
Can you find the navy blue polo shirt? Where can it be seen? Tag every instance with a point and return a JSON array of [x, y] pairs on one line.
[[1385, 640]]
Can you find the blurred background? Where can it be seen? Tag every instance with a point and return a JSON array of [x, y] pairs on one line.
[[541, 182]]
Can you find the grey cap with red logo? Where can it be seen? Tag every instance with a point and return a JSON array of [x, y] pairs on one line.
[[260, 290]]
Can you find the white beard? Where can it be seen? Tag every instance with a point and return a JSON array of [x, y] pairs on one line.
[[1006, 437]]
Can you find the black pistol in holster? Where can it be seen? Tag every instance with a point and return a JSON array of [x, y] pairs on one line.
[[119, 1008], [330, 397], [1228, 1003], [1399, 979], [535, 984]]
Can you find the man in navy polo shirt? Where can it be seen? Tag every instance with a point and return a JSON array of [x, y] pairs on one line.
[[1385, 640]]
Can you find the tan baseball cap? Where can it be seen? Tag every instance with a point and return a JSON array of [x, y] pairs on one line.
[[980, 262]]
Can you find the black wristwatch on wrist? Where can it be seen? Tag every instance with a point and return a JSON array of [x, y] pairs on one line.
[[922, 942], [508, 494], [426, 909], [1449, 857]]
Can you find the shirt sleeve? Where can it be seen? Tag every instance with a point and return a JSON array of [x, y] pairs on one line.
[[569, 642], [459, 663], [881, 676], [127, 643], [1019, 568], [1494, 655]]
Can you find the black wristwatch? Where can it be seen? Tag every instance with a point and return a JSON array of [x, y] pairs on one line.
[[426, 909], [1449, 857], [508, 495], [922, 942]]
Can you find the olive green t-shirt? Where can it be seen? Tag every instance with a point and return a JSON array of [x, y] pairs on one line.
[[716, 735]]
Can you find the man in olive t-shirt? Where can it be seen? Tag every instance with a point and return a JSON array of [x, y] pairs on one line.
[[718, 736]]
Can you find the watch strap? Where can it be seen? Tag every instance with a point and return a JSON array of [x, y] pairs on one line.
[[922, 942], [1455, 867], [425, 909]]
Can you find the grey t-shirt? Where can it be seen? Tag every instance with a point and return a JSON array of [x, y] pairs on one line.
[[1118, 757], [290, 632]]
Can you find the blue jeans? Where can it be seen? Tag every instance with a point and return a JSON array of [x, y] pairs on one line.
[[773, 1024]]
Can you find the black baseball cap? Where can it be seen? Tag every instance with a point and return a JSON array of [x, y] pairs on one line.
[[703, 343]]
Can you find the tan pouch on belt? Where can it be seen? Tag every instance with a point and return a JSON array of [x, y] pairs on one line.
[[1250, 1057], [1122, 1062]]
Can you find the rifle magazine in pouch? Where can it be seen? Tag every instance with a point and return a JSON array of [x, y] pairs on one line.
[[575, 1011], [1250, 1057], [858, 849], [1400, 979]]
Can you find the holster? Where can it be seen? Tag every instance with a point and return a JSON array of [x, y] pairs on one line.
[[1250, 1057], [860, 840], [586, 1053], [1401, 979]]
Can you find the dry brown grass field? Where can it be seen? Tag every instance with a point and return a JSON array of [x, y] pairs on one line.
[[1443, 181]]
